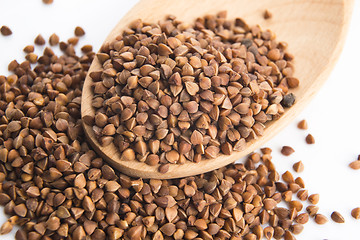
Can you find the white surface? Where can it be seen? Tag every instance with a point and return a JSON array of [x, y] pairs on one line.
[[333, 115]]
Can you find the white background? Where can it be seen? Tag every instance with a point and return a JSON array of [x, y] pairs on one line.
[[333, 116]]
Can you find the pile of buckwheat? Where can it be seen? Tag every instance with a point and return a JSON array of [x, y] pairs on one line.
[[54, 186], [174, 92]]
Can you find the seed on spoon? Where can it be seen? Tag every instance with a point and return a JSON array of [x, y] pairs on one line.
[[267, 14]]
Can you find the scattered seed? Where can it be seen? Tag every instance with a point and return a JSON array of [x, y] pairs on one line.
[[310, 139], [320, 219], [297, 228], [355, 165], [54, 39], [5, 31], [303, 195], [29, 49], [39, 40], [287, 150], [79, 32], [6, 228], [288, 236], [302, 218], [312, 210], [303, 125], [314, 198], [355, 213], [298, 167], [337, 217]]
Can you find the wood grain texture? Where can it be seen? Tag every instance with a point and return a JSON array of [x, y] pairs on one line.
[[314, 29]]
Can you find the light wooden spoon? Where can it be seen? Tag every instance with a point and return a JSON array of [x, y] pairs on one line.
[[314, 29]]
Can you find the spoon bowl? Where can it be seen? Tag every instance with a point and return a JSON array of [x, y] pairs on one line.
[[314, 30]]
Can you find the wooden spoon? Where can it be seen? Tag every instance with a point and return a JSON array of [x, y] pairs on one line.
[[314, 30]]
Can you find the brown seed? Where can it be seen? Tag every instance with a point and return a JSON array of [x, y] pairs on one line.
[[152, 159], [278, 232], [274, 54], [164, 50], [48, 1], [33, 191], [191, 107], [28, 49], [31, 57], [282, 213], [268, 232], [296, 204], [226, 148], [267, 14], [300, 182], [355, 213], [109, 130], [200, 224], [189, 191], [53, 223], [303, 195], [212, 152], [320, 219], [172, 156], [310, 139], [192, 88], [20, 210], [314, 198], [39, 40], [303, 125], [269, 203], [88, 204], [312, 210], [5, 30], [337, 217], [4, 155], [164, 168], [73, 40], [79, 233], [61, 124], [168, 229], [292, 82], [302, 218], [6, 228], [355, 165], [196, 138], [79, 31], [62, 212], [288, 177], [296, 228], [128, 155], [287, 150], [54, 39], [298, 167], [14, 126]]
